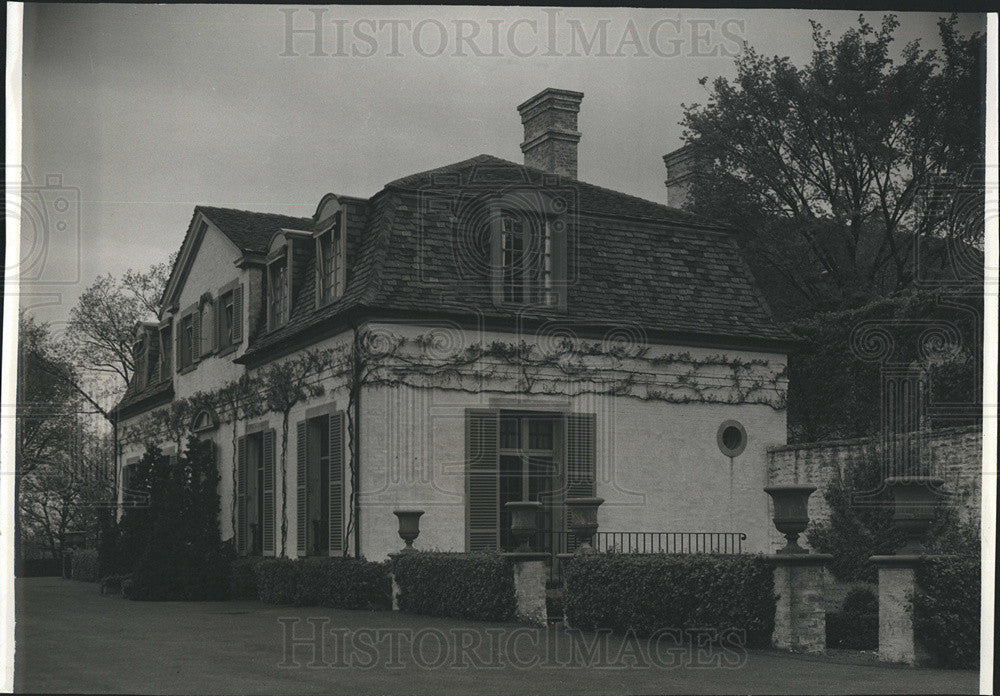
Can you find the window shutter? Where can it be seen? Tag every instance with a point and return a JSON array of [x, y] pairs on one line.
[[196, 336], [241, 495], [238, 314], [267, 513], [581, 480], [212, 331], [482, 460], [337, 482], [301, 479], [496, 256], [177, 342]]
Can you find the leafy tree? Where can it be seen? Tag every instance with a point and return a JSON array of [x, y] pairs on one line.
[[102, 324], [827, 170]]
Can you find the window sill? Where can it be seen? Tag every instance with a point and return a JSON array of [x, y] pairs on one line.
[[184, 370], [222, 352]]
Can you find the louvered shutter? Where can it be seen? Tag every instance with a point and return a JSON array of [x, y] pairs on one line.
[[241, 495], [301, 479], [581, 475], [267, 523], [238, 314], [482, 488], [180, 333], [196, 336], [337, 482], [496, 257]]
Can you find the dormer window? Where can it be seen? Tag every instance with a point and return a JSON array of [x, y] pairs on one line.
[[526, 263], [277, 292], [331, 268], [139, 362]]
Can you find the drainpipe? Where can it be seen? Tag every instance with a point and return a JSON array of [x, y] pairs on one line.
[[356, 439]]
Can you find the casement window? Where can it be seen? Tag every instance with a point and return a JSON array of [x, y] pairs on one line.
[[208, 321], [277, 292], [332, 264], [319, 501], [139, 360], [229, 324], [130, 485], [255, 495], [165, 343], [517, 455], [188, 330], [528, 260]]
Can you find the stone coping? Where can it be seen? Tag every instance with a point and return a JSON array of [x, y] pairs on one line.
[[906, 560], [798, 559], [847, 442]]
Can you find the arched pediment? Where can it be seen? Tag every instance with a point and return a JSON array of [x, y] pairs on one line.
[[327, 212], [204, 421]]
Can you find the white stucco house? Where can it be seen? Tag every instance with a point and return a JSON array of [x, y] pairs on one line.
[[526, 336]]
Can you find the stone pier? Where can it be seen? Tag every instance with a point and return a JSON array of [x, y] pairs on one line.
[[897, 583], [800, 614], [530, 575]]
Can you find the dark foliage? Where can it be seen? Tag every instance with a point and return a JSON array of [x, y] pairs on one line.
[[40, 567], [860, 525], [171, 548], [646, 593], [85, 565], [855, 626], [243, 577], [834, 377], [338, 583], [946, 610], [456, 585]]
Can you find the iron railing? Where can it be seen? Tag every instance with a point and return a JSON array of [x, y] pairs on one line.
[[715, 543]]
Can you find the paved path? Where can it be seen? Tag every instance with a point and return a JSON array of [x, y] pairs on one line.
[[70, 638]]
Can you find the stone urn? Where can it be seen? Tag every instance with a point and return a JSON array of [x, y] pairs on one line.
[[583, 521], [523, 522], [409, 527], [791, 513], [914, 501]]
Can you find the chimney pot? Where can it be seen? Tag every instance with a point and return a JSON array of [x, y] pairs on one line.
[[550, 134]]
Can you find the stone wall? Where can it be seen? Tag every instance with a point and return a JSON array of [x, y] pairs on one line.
[[954, 454]]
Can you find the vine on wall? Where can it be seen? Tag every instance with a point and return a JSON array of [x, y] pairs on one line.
[[380, 358]]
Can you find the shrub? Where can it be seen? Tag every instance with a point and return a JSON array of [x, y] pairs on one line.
[[645, 593], [855, 626], [243, 577], [946, 610], [456, 585], [171, 547], [40, 567], [84, 565], [338, 583]]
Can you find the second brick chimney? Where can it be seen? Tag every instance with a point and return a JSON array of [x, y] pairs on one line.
[[550, 135]]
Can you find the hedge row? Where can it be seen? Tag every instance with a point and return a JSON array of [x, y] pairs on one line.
[[84, 565], [339, 583], [646, 593], [855, 626], [456, 585], [946, 611]]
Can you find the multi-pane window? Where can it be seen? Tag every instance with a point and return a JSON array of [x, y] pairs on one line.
[[186, 341], [277, 311], [165, 343], [332, 269], [227, 307], [526, 261]]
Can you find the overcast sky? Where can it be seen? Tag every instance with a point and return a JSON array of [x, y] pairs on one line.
[[145, 111]]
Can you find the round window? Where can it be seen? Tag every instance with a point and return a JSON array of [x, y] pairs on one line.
[[732, 438]]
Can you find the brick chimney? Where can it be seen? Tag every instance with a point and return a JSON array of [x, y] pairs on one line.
[[550, 135], [681, 170]]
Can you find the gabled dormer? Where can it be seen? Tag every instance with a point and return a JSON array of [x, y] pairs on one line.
[[146, 355], [286, 263]]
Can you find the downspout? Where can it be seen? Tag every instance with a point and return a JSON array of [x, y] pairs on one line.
[[356, 440]]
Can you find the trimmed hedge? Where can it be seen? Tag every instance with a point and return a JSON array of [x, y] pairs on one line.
[[243, 577], [456, 585], [855, 626], [946, 610], [646, 593], [84, 565], [338, 583]]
